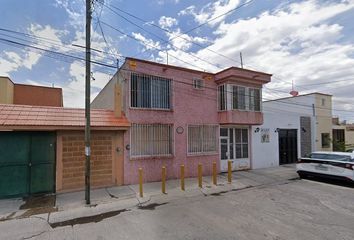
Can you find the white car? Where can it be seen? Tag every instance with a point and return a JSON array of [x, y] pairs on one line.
[[337, 165]]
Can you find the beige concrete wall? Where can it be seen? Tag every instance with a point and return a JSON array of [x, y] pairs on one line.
[[349, 138], [107, 154], [323, 108], [6, 90], [105, 98]]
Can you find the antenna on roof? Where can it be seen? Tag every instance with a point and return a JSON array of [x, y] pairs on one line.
[[293, 92], [167, 57], [241, 59]]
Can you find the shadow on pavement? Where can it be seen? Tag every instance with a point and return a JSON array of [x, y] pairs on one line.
[[336, 182]]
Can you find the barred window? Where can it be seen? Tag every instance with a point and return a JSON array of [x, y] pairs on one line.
[[149, 91], [222, 97], [151, 140], [202, 139], [254, 99], [198, 84], [244, 98], [241, 98]]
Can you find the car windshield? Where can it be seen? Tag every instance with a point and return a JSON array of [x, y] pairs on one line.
[[336, 157]]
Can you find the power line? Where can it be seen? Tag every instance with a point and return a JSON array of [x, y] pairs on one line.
[[212, 19], [102, 33], [147, 44], [170, 32], [181, 35], [215, 89], [53, 52], [55, 42], [106, 65], [162, 39]]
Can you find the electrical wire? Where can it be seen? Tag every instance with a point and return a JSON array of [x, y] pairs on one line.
[[147, 44], [162, 39], [10, 42], [215, 89]]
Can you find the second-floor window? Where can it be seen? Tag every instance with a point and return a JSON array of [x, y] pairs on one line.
[[238, 98], [198, 84], [147, 91], [222, 97], [254, 95]]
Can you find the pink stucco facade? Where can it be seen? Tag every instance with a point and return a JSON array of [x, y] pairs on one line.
[[189, 106]]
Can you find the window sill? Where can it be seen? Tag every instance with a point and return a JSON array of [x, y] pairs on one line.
[[161, 157], [152, 109], [201, 154], [239, 110]]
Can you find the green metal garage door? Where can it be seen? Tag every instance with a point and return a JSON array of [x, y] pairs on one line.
[[27, 163]]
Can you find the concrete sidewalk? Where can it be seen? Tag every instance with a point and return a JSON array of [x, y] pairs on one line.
[[69, 206]]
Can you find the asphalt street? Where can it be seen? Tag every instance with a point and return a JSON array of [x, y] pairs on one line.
[[294, 209]]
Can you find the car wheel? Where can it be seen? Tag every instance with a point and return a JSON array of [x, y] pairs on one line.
[[302, 175]]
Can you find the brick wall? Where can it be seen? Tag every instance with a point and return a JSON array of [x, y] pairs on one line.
[[73, 160]]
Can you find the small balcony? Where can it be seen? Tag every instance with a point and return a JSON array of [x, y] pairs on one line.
[[240, 117]]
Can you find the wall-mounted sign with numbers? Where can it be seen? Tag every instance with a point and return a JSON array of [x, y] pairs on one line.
[[264, 135]]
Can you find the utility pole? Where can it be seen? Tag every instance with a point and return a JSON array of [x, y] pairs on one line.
[[241, 59], [87, 102]]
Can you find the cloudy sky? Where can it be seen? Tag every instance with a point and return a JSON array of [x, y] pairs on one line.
[[308, 42]]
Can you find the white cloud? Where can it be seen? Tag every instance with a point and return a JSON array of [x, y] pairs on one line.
[[167, 22], [75, 10], [7, 66], [74, 90], [148, 43], [211, 11], [190, 10], [47, 32], [13, 61], [31, 59], [294, 42]]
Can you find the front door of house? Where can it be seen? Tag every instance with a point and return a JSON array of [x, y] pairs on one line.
[[27, 163], [234, 146], [287, 146]]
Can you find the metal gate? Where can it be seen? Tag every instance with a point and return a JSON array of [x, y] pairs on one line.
[[27, 163], [287, 146]]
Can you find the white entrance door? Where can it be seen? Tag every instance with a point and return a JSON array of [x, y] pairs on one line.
[[234, 146]]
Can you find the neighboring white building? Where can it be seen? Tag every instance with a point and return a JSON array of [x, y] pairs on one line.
[[292, 127]]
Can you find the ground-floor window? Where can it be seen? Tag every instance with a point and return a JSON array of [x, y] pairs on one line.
[[234, 143], [202, 139], [151, 140]]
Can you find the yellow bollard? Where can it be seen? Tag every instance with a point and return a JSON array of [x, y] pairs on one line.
[[163, 180], [141, 182], [214, 174], [229, 171], [200, 175], [182, 177]]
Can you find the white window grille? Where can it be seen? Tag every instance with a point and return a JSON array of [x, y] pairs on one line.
[[222, 97], [254, 99], [202, 139], [147, 91], [244, 98], [241, 142], [198, 84], [241, 98], [151, 140]]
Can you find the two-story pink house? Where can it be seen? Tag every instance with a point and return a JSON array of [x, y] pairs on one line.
[[184, 116]]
